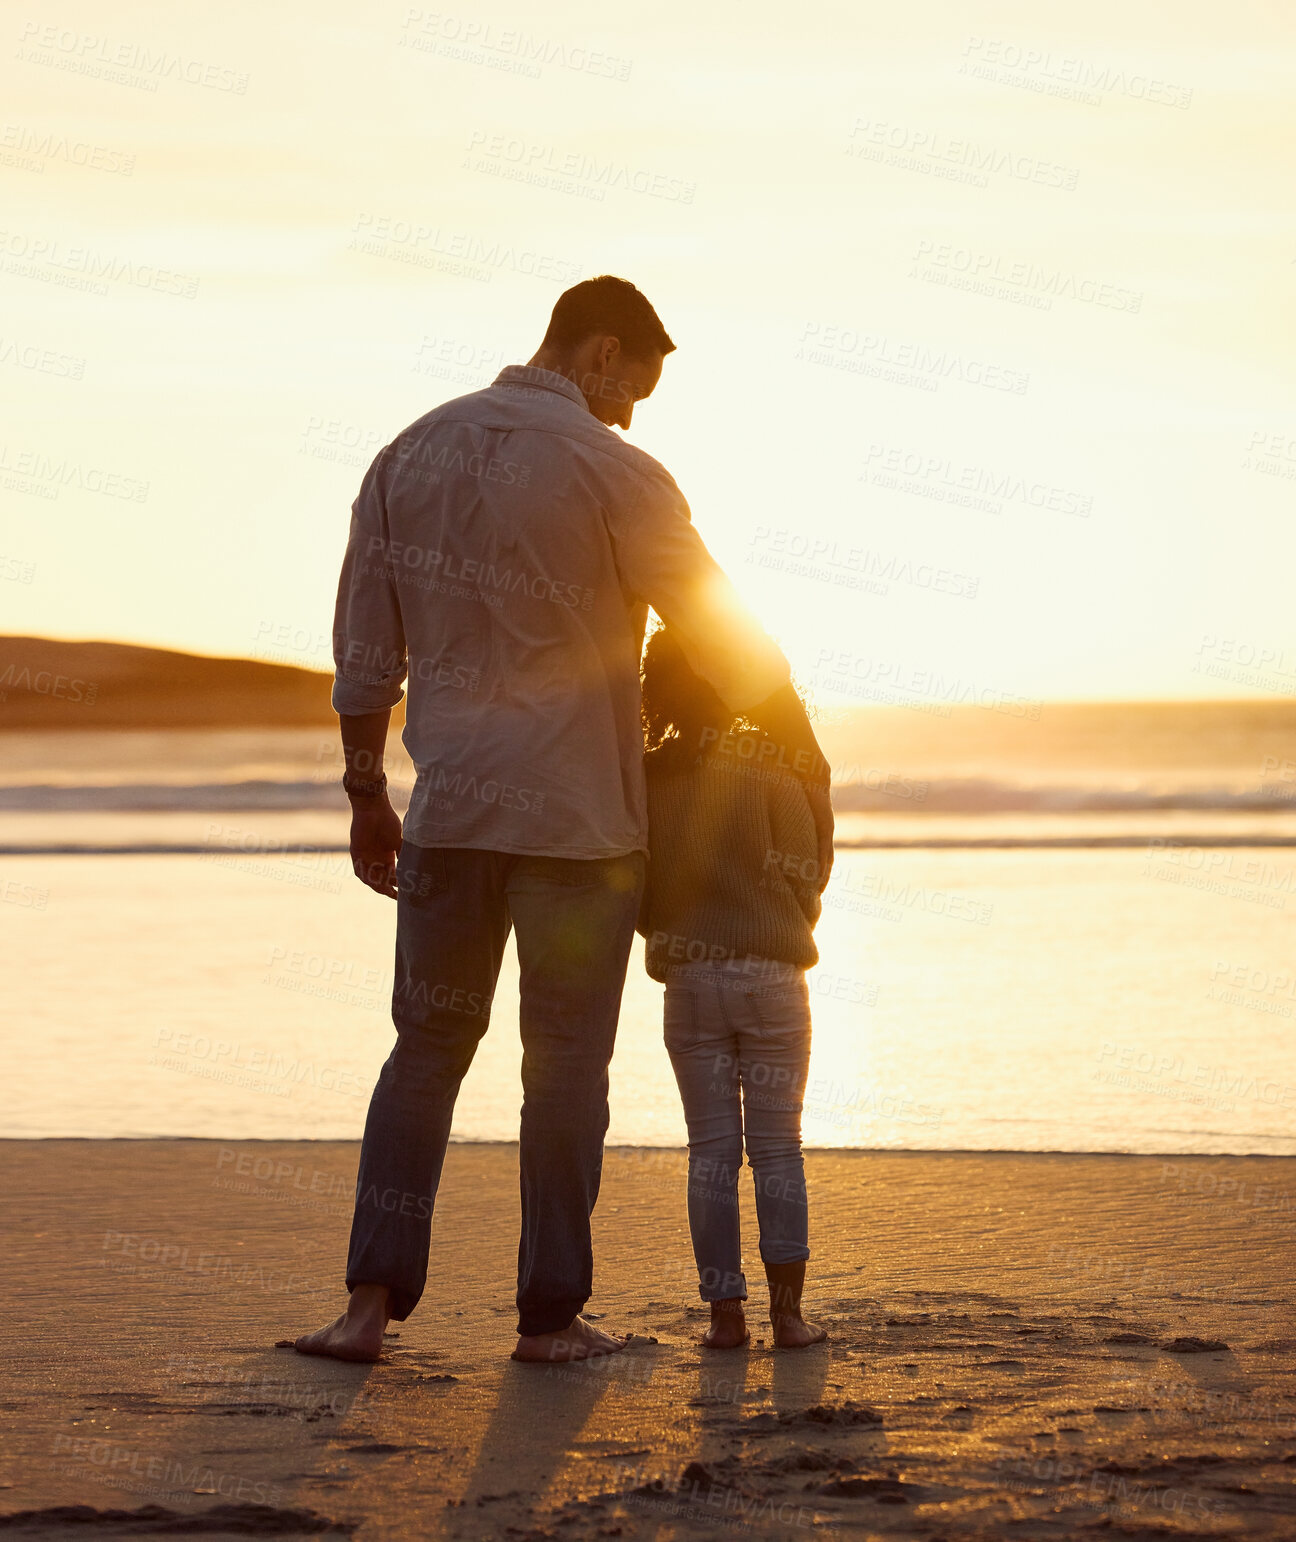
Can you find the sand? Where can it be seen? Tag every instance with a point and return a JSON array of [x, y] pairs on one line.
[[1020, 1348]]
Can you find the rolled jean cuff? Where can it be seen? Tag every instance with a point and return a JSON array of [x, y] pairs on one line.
[[400, 1303], [548, 1319], [776, 1252], [729, 1287]]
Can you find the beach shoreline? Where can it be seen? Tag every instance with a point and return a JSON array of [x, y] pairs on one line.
[[1019, 1347]]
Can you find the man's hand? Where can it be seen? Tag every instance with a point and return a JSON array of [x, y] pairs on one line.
[[375, 842], [375, 824]]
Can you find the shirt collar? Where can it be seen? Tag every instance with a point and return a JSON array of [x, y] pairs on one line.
[[531, 376]]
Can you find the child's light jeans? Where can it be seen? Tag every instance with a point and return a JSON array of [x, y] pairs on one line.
[[738, 1035]]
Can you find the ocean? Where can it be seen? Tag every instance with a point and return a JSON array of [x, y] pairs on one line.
[[182, 965]]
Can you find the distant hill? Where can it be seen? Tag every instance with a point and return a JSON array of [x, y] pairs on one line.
[[45, 683]]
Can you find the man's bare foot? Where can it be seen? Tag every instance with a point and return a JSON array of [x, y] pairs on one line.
[[796, 1333], [579, 1340], [728, 1328], [357, 1334]]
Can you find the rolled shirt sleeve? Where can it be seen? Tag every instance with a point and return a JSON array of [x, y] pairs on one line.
[[369, 649], [664, 560]]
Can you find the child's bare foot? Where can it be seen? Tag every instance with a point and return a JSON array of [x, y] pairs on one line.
[[728, 1328], [796, 1333], [791, 1331]]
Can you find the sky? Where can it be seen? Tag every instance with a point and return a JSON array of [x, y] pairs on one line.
[[983, 389]]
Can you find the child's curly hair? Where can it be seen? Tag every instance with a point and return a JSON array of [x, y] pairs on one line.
[[679, 706]]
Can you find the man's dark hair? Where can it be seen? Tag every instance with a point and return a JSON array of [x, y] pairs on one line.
[[607, 305]]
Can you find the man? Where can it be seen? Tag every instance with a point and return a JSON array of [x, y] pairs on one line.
[[502, 555]]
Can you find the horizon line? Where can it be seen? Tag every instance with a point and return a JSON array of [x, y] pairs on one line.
[[882, 706]]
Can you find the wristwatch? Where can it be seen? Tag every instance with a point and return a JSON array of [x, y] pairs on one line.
[[364, 787]]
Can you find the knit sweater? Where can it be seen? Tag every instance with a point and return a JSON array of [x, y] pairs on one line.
[[732, 863]]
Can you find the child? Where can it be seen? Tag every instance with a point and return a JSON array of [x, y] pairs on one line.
[[732, 897]]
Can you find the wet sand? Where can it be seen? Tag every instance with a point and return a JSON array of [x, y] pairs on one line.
[[1024, 1346]]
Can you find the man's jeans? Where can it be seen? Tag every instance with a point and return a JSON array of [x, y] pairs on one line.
[[738, 1035], [575, 922]]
